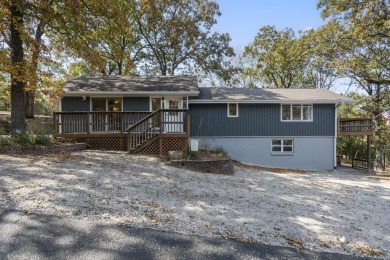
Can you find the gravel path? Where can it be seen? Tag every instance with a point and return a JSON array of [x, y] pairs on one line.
[[343, 212]]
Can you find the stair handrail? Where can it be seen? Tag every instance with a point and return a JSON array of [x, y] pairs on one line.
[[145, 129], [142, 120], [144, 135]]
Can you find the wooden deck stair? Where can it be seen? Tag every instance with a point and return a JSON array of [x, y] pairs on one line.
[[159, 132], [137, 149], [141, 132]]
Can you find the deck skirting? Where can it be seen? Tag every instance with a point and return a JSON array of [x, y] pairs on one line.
[[119, 142]]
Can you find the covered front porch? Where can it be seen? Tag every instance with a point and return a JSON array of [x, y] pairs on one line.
[[142, 132]]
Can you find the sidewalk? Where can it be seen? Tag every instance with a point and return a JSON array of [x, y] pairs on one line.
[[30, 236]]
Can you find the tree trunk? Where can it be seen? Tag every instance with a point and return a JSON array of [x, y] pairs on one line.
[[18, 122], [379, 144], [379, 151], [29, 103], [30, 95]]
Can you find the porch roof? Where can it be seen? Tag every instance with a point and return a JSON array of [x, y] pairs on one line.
[[264, 95], [134, 85]]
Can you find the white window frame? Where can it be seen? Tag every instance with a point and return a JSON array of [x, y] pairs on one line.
[[228, 110], [291, 113], [282, 146], [183, 102], [150, 102]]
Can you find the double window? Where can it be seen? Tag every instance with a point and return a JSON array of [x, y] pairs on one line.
[[297, 112], [107, 104], [282, 146]]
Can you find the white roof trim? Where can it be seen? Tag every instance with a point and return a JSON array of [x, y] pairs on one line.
[[314, 101], [131, 93]]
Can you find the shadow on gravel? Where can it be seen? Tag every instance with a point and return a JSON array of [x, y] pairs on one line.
[[31, 236]]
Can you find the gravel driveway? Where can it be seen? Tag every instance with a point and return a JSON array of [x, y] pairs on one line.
[[345, 212]]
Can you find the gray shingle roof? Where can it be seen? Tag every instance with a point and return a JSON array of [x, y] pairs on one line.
[[132, 84], [264, 95]]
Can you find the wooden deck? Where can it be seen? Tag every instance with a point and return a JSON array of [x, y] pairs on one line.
[[354, 126], [153, 133], [361, 127]]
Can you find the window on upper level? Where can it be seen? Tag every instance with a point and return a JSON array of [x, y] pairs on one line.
[[296, 112], [232, 109]]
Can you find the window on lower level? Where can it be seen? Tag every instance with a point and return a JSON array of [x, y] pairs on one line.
[[282, 146], [296, 112], [232, 109]]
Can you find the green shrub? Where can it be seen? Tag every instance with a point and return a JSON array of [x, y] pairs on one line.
[[6, 140], [195, 155], [43, 136], [24, 139], [44, 140], [219, 150]]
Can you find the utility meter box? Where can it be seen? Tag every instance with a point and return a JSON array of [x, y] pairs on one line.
[[194, 145]]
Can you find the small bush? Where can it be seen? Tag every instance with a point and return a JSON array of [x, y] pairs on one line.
[[44, 140], [43, 135], [6, 140], [195, 155], [40, 136], [219, 150], [24, 139]]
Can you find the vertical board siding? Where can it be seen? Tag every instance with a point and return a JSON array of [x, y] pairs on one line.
[[75, 104], [136, 104], [258, 120]]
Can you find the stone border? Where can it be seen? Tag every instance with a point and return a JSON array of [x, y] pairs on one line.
[[42, 149], [221, 166]]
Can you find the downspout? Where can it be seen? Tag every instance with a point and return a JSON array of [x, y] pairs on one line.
[[335, 135]]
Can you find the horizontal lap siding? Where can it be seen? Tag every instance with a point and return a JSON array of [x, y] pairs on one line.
[[258, 120], [74, 104], [136, 104]]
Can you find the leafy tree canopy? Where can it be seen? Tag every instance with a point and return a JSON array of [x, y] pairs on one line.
[[281, 58]]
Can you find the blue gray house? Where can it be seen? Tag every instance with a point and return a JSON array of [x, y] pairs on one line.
[[286, 128]]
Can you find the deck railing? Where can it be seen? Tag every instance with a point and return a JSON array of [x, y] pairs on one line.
[[163, 121], [354, 126], [361, 164], [96, 122]]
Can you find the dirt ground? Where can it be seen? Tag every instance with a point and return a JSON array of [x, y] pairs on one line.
[[335, 211]]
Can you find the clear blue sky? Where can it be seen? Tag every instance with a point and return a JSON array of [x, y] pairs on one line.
[[242, 19]]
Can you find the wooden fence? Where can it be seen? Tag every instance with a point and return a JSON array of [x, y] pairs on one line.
[[361, 164]]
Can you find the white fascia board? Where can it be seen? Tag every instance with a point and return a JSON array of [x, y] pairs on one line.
[[130, 94], [309, 101]]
